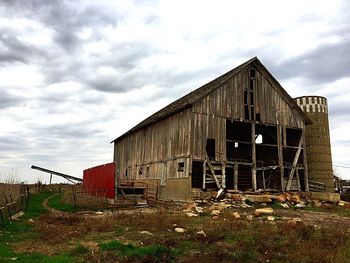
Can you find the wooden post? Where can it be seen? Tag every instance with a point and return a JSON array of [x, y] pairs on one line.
[[74, 198], [223, 178], [2, 217], [235, 176], [50, 178], [297, 175], [306, 172], [27, 198], [204, 174], [263, 177], [280, 142], [8, 208], [253, 158], [296, 157]]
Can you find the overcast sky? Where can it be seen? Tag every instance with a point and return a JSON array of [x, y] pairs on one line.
[[74, 75]]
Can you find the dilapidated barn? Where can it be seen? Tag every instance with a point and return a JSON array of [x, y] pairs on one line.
[[240, 131]]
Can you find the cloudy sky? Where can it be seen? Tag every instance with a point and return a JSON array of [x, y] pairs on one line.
[[74, 75]]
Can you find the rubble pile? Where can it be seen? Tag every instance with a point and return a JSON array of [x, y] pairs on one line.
[[252, 205]]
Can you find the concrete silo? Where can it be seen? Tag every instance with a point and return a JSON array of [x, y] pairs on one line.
[[318, 146]]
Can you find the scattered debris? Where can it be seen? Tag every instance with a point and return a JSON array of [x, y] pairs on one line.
[[250, 217], [146, 233], [264, 211], [295, 220], [191, 214], [284, 205], [180, 230], [201, 233], [259, 198], [342, 203], [271, 218], [215, 212], [236, 215], [17, 216]]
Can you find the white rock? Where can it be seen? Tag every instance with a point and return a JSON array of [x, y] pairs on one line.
[[180, 230], [146, 233], [300, 205], [236, 215], [250, 217], [201, 233], [284, 205], [30, 221], [341, 203], [199, 210], [215, 212], [264, 211], [191, 214], [271, 218]]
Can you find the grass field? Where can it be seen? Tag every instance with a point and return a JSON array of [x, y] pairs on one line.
[[121, 238]]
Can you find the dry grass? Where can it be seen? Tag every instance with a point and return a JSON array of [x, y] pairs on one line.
[[227, 240]]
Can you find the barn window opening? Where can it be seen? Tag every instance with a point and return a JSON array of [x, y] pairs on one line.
[[140, 171], [210, 148], [181, 166], [147, 171], [252, 73]]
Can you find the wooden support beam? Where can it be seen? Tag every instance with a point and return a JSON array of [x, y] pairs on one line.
[[235, 176], [223, 174], [204, 174], [280, 142], [264, 183], [296, 157], [253, 158], [306, 173], [297, 175]]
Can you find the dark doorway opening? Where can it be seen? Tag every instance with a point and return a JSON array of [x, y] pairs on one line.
[[229, 178], [210, 148], [197, 174]]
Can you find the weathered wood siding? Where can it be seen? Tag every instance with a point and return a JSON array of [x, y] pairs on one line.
[[227, 102], [156, 149]]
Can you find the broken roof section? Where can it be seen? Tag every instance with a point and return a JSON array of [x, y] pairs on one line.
[[194, 96]]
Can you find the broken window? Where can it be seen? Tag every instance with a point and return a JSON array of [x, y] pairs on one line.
[[140, 171], [258, 139], [147, 171], [181, 166]]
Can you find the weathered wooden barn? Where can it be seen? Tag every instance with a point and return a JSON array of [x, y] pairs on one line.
[[240, 131]]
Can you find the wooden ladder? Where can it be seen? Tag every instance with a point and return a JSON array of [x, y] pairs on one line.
[[213, 174]]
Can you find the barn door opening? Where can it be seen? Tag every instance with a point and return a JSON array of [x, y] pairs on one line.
[[210, 148]]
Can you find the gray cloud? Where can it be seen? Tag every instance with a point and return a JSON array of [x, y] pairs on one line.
[[7, 100], [325, 64]]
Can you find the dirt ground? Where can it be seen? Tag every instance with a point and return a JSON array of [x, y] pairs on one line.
[[235, 234]]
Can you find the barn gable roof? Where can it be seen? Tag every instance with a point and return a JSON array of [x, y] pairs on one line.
[[192, 97]]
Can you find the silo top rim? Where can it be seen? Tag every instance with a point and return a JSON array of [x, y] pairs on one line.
[[310, 96]]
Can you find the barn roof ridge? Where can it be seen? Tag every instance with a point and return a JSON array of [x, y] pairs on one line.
[[190, 98]]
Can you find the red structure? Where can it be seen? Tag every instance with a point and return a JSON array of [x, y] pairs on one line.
[[99, 180]]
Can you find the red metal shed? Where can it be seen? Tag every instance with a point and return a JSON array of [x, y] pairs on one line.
[[99, 180]]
